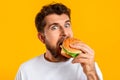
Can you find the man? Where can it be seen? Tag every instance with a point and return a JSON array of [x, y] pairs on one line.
[[54, 25]]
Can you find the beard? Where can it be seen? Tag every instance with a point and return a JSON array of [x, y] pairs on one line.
[[55, 50]]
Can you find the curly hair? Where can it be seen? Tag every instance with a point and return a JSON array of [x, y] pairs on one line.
[[56, 8]]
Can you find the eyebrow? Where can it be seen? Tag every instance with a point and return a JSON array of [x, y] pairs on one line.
[[68, 21]]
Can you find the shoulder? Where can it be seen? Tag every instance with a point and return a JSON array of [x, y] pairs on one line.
[[32, 62], [28, 67]]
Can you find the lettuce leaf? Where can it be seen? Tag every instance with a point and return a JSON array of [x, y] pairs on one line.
[[70, 53]]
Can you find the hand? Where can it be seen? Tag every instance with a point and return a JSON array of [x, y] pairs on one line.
[[86, 59]]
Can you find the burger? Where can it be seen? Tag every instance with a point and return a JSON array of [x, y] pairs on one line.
[[67, 51]]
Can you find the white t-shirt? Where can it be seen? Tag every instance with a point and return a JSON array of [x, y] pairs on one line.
[[41, 69]]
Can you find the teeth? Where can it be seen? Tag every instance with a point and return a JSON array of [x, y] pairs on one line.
[[61, 46]]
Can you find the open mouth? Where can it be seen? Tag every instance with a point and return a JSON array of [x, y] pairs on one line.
[[59, 45], [60, 42]]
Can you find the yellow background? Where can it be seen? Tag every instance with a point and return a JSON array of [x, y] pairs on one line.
[[96, 22]]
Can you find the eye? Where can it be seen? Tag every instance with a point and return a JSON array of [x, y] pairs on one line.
[[54, 27], [67, 25]]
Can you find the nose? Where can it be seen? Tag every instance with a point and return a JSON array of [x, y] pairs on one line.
[[64, 32]]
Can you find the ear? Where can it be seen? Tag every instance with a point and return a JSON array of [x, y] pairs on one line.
[[41, 37]]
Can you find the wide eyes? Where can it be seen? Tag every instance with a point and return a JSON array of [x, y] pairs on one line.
[[57, 26], [54, 27], [67, 25]]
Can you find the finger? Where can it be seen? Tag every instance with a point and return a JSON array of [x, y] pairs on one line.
[[85, 45], [82, 55], [81, 60], [81, 46]]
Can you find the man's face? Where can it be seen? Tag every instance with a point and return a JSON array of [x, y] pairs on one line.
[[58, 27]]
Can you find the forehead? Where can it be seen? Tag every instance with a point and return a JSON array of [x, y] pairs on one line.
[[54, 18]]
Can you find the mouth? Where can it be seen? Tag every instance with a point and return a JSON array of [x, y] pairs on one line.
[[59, 45], [60, 42]]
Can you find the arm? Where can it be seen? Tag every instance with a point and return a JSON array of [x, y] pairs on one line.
[[92, 75]]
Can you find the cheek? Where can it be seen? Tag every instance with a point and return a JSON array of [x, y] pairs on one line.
[[52, 38], [70, 33]]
